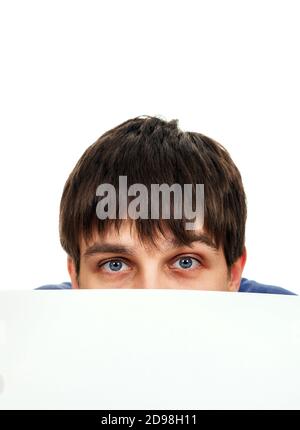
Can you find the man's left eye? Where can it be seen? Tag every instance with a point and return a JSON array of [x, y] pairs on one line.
[[186, 263]]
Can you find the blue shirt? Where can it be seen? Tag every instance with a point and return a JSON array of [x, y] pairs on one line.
[[246, 286]]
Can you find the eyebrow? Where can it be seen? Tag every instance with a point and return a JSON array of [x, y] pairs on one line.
[[198, 237], [115, 248], [99, 248]]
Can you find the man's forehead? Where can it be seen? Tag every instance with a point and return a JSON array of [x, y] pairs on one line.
[[128, 237]]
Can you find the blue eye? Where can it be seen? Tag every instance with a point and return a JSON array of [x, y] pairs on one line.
[[186, 263], [114, 266]]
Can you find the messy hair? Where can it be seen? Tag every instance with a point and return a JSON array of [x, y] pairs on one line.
[[150, 150]]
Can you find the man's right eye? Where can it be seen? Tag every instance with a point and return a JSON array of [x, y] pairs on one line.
[[113, 266]]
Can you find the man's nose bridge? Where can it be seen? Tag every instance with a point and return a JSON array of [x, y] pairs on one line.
[[149, 278]]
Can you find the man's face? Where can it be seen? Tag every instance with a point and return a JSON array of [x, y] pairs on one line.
[[121, 261]]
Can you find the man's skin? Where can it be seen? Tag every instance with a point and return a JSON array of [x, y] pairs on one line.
[[144, 266]]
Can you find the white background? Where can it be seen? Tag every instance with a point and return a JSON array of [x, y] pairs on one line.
[[71, 70]]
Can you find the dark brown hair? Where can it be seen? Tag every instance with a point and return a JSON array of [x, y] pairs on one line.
[[149, 150]]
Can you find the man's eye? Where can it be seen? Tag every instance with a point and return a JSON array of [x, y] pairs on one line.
[[114, 266], [186, 263]]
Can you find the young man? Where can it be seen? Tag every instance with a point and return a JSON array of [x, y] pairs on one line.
[[155, 252]]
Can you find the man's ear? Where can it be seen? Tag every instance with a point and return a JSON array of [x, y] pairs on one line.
[[72, 272], [236, 272]]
